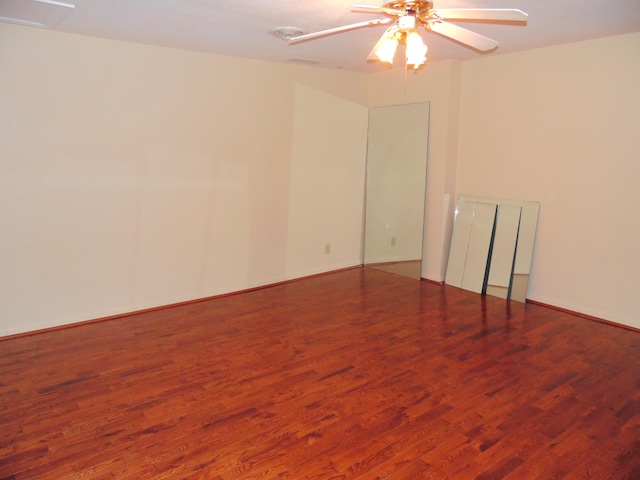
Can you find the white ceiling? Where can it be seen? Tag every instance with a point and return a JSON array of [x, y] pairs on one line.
[[240, 27]]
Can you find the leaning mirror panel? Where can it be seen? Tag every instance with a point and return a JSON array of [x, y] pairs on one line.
[[492, 246]]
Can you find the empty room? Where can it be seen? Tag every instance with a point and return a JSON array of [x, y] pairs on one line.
[[186, 214]]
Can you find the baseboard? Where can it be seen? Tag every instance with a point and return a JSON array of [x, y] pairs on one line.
[[284, 282], [171, 305], [584, 315]]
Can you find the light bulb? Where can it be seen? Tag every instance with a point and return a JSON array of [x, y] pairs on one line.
[[416, 49]]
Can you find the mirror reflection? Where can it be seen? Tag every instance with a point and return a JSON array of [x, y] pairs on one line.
[[395, 188]]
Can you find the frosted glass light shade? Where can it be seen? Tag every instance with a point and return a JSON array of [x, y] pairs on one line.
[[416, 50], [387, 50]]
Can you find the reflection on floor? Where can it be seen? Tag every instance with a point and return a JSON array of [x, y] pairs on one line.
[[409, 268]]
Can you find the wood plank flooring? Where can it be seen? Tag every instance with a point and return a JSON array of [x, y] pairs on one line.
[[355, 374]]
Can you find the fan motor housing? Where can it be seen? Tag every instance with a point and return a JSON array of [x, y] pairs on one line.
[[420, 8]]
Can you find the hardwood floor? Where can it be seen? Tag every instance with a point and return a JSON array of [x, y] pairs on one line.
[[356, 374]]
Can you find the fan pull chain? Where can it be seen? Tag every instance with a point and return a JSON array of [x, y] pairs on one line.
[[405, 75]]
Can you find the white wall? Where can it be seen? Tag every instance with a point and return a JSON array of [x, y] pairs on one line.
[[134, 176], [561, 126], [326, 198]]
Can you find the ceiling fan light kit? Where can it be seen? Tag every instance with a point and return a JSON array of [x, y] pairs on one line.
[[408, 15], [416, 50]]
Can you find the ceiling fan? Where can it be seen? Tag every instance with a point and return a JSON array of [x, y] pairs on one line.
[[408, 15]]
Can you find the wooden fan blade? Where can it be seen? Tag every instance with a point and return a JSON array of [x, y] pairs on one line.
[[331, 31], [374, 9], [462, 35], [487, 14], [387, 33]]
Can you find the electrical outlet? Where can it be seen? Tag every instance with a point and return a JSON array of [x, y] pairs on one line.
[[393, 241], [327, 248]]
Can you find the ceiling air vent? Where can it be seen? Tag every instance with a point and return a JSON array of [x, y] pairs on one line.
[[286, 33], [305, 61]]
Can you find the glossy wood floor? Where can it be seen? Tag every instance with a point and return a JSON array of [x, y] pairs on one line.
[[356, 374]]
